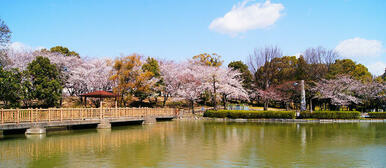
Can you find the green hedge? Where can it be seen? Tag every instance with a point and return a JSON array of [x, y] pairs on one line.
[[249, 114], [331, 114], [377, 114]]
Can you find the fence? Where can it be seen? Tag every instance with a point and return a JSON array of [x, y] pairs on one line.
[[60, 114]]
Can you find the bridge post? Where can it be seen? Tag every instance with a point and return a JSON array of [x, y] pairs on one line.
[[149, 120], [2, 116], [104, 124], [36, 129], [17, 116], [101, 109], [61, 114]]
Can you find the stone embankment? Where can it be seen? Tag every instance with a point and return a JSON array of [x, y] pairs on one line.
[[187, 116]]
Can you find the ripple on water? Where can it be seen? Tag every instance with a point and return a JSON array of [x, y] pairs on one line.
[[203, 144]]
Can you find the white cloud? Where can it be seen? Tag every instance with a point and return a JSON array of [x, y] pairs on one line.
[[359, 48], [377, 68], [20, 47], [245, 17]]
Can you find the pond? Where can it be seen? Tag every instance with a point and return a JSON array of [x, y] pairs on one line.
[[203, 144]]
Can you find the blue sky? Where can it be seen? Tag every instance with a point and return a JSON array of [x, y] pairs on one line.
[[178, 30]]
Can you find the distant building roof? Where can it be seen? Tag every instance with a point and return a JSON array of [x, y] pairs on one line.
[[99, 94]]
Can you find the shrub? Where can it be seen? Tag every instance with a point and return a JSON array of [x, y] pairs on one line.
[[377, 115], [330, 114], [249, 114]]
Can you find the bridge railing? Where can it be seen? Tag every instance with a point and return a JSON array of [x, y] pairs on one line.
[[60, 114]]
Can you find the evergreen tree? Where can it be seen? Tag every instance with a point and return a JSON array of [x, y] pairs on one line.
[[246, 75], [301, 69], [10, 87], [45, 79], [349, 67]]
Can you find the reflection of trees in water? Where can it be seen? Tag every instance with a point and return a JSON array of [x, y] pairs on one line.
[[197, 143], [279, 145], [123, 147]]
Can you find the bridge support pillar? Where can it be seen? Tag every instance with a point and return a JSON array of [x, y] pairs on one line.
[[149, 120], [104, 124], [36, 130]]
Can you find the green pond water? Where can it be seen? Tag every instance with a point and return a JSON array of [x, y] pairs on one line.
[[202, 144]]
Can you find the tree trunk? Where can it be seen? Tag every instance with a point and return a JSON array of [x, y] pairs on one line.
[[165, 99], [214, 95], [224, 101], [192, 102], [266, 100], [311, 105], [287, 106]]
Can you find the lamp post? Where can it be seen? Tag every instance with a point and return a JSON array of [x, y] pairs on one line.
[[302, 96]]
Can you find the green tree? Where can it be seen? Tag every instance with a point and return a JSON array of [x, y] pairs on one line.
[[349, 67], [11, 89], [246, 75], [381, 78], [208, 59], [301, 69], [151, 65], [63, 50], [285, 69], [45, 79], [5, 36]]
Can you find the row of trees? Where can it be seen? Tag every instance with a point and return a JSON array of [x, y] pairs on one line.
[[40, 81], [42, 77], [330, 82], [193, 81]]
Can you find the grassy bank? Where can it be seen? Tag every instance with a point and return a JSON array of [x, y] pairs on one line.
[[380, 115], [287, 114], [331, 115], [249, 114]]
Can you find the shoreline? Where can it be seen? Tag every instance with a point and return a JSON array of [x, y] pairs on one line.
[[285, 120]]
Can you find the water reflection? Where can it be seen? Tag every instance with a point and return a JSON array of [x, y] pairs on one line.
[[35, 137], [203, 144]]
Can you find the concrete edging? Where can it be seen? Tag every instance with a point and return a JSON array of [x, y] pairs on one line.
[[303, 120]]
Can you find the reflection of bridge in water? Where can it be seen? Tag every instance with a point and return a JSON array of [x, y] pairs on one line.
[[36, 120]]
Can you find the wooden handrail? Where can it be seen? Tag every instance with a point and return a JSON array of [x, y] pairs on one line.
[[62, 114]]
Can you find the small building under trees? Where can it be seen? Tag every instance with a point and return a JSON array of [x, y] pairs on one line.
[[99, 95]]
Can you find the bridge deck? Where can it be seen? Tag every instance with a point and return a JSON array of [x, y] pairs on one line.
[[27, 118]]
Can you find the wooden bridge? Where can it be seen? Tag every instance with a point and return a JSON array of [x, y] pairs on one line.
[[36, 120]]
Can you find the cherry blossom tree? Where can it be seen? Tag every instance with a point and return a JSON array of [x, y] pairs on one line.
[[265, 95], [287, 92], [189, 80], [90, 75], [169, 72], [340, 91], [373, 94], [225, 82], [19, 59], [78, 75], [183, 80]]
